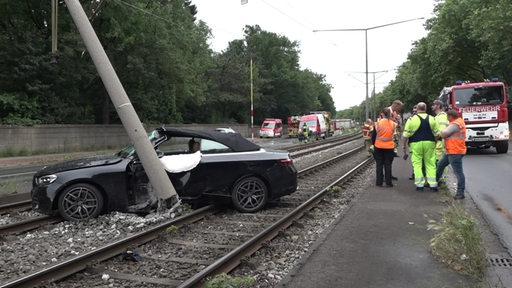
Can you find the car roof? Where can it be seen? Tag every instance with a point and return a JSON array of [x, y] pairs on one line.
[[235, 141]]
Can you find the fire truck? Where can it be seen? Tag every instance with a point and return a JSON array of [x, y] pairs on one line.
[[293, 126], [483, 106]]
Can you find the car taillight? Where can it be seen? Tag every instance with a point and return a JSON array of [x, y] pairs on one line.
[[287, 161]]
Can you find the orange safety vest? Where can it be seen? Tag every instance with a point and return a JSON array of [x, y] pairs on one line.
[[366, 130], [385, 130], [456, 143]]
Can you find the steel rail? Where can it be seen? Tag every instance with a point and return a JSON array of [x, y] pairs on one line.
[[235, 257], [16, 206], [79, 263], [28, 224], [328, 140], [324, 146], [329, 161]]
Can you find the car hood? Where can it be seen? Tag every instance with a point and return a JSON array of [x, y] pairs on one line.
[[80, 163]]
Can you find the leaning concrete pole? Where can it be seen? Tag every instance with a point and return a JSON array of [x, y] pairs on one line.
[[131, 122]]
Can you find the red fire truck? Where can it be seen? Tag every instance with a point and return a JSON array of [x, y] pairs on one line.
[[483, 106], [293, 126]]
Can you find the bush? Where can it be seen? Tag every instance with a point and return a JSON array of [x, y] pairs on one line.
[[457, 242]]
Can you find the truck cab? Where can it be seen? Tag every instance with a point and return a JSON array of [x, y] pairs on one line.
[[483, 107]]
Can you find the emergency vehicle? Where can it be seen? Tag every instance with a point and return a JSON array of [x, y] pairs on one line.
[[271, 128], [293, 126], [483, 106], [327, 118], [316, 124], [341, 124]]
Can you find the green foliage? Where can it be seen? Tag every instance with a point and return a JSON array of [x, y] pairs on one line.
[[171, 229], [335, 191], [226, 281], [457, 242]]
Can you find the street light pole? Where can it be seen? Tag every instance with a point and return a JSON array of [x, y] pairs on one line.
[[366, 47], [366, 115]]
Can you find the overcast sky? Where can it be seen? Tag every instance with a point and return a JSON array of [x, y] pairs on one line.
[[338, 55]]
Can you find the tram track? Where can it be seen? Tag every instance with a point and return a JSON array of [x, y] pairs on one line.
[[17, 206], [223, 262]]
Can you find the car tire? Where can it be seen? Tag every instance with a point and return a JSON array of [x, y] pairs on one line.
[[79, 202], [249, 194]]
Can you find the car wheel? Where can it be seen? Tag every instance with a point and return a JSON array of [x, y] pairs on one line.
[[249, 195], [80, 202]]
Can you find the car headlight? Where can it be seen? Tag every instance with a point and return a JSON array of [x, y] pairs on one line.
[[46, 179]]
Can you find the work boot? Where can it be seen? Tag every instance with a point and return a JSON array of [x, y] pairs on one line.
[[419, 189], [459, 197]]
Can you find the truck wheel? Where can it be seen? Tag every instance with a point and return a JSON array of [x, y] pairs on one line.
[[501, 147]]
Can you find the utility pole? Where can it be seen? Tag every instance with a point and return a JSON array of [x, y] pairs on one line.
[[372, 99], [365, 30], [131, 122]]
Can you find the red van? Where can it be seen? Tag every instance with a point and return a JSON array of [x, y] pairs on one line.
[[271, 128]]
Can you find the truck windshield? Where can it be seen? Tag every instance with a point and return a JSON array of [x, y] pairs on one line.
[[310, 123], [481, 95]]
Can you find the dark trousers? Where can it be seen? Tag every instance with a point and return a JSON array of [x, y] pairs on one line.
[[383, 160]]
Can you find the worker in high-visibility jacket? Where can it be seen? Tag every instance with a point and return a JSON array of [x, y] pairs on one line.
[[442, 122], [305, 132], [454, 136], [382, 139], [420, 134], [367, 130]]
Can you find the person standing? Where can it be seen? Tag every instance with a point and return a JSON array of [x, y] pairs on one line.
[[454, 136], [305, 132], [382, 139], [395, 109], [413, 112], [442, 122], [420, 134], [367, 130]]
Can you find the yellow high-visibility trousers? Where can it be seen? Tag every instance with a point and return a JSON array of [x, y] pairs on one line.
[[424, 152]]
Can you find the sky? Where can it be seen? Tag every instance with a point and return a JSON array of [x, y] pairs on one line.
[[340, 55]]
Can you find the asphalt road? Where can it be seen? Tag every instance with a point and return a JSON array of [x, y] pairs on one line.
[[489, 182]]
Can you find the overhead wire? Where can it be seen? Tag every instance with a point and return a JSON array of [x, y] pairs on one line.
[[143, 11], [308, 28]]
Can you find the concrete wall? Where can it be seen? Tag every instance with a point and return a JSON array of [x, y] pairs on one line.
[[66, 138]]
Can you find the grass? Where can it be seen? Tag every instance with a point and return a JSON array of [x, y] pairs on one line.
[[226, 281], [335, 191], [172, 229], [8, 187], [457, 242]]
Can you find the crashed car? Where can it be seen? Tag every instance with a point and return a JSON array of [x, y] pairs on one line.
[[203, 166]]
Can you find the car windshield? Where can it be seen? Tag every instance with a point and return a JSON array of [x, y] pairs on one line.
[[128, 151], [268, 124], [481, 95]]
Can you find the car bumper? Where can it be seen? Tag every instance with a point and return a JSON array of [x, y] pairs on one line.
[[266, 133], [283, 182], [42, 199]]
